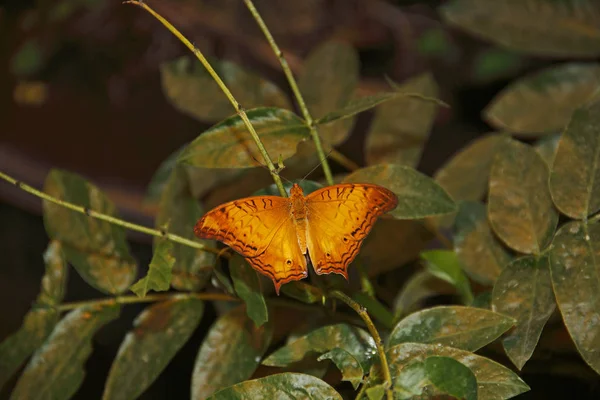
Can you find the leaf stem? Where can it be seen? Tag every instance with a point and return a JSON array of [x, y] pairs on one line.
[[362, 312], [238, 108], [107, 218], [146, 299], [294, 86]]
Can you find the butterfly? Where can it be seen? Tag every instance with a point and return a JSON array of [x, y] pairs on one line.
[[276, 234]]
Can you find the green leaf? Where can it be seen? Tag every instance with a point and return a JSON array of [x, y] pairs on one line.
[[354, 340], [411, 381], [97, 249], [493, 63], [401, 127], [543, 102], [279, 386], [28, 59], [451, 377], [481, 254], [418, 195], [41, 319], [180, 210], [566, 28], [445, 265], [495, 382], [465, 176], [520, 209], [159, 333], [191, 90], [375, 392], [418, 288], [228, 144], [460, 327], [159, 180], [575, 176], [347, 364], [524, 292], [56, 369], [303, 292], [574, 265], [159, 271], [230, 353], [247, 287], [330, 75]]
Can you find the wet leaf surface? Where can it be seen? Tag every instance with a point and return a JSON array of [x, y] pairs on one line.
[[331, 73], [347, 364], [354, 340], [530, 26], [451, 377], [480, 252], [191, 90], [247, 286], [56, 369], [279, 386], [543, 102], [41, 319], [401, 127], [98, 250], [574, 269], [419, 196], [494, 381], [464, 328], [158, 334], [230, 353], [179, 210], [520, 209], [159, 274], [445, 265], [524, 292], [228, 144], [575, 175]]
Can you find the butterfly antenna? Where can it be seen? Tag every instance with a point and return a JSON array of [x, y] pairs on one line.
[[318, 165]]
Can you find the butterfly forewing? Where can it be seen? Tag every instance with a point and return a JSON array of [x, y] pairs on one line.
[[339, 218]]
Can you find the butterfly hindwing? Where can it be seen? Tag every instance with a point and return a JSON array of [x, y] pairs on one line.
[[339, 218]]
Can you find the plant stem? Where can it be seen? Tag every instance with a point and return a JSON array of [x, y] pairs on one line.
[[294, 86], [344, 161], [362, 312], [107, 218], [238, 108], [146, 299]]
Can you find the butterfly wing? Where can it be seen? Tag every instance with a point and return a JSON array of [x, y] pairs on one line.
[[339, 218], [261, 229]]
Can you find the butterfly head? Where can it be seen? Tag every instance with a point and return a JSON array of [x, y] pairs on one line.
[[296, 191]]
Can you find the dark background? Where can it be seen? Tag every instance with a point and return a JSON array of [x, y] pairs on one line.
[[104, 116]]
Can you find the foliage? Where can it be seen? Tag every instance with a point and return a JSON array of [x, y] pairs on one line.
[[510, 259]]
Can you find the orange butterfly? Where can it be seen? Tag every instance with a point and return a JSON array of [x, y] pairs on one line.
[[274, 233]]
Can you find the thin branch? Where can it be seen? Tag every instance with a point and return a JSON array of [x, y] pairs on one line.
[[362, 312], [107, 218], [294, 86], [146, 299], [238, 108]]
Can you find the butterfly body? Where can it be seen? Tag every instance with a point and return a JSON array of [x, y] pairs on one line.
[[274, 233]]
